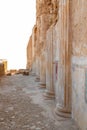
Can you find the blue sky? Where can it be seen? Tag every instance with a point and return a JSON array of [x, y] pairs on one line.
[[17, 18]]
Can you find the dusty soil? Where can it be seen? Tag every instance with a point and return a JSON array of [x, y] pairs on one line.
[[23, 107]]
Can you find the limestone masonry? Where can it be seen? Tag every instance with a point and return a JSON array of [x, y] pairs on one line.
[[57, 55]]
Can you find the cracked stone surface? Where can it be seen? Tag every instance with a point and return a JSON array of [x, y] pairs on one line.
[[23, 107]]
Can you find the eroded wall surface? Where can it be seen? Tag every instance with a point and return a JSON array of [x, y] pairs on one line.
[[29, 54], [79, 62], [46, 14], [34, 42]]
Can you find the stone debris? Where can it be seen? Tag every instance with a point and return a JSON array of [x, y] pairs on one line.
[[26, 72], [15, 72], [8, 73]]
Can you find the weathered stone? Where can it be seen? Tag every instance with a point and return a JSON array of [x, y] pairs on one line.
[[56, 58], [13, 71], [50, 94], [59, 46], [43, 69], [79, 80], [26, 72], [63, 107], [29, 54], [34, 41], [46, 13], [38, 68], [79, 27], [79, 61], [3, 67]]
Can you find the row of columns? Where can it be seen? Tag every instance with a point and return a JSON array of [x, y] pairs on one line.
[[45, 67], [58, 25]]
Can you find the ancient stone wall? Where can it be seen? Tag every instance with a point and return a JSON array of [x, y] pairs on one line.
[[29, 54], [60, 55], [31, 50], [34, 42], [78, 12], [46, 15]]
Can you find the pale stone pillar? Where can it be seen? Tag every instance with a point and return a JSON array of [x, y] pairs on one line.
[[49, 65], [34, 40], [43, 70], [38, 69], [63, 97], [29, 54], [79, 90], [79, 62]]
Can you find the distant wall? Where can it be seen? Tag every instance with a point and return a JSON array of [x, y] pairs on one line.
[[29, 54]]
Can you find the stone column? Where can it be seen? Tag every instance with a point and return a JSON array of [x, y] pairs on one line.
[[43, 70], [63, 107], [79, 62], [37, 49], [34, 38], [49, 65], [43, 29], [38, 69]]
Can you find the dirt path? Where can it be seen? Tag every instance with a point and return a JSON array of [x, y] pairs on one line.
[[22, 106]]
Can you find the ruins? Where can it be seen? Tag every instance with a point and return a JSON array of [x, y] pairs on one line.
[[3, 67], [57, 55]]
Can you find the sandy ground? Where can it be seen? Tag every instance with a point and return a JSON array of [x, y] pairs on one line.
[[23, 107]]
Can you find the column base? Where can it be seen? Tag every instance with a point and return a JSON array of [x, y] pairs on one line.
[[62, 112], [49, 95], [37, 79], [42, 85]]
